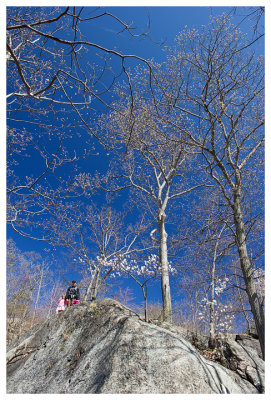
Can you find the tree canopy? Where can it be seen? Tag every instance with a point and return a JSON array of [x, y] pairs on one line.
[[137, 169]]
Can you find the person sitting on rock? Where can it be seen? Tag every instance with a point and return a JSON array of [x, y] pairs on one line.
[[72, 295], [61, 304]]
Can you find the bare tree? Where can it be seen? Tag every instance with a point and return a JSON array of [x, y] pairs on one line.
[[212, 289], [43, 273], [155, 159], [27, 280], [97, 240], [57, 77], [223, 97], [142, 272], [255, 17]]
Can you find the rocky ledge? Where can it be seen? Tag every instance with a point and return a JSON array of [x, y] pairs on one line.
[[107, 348]]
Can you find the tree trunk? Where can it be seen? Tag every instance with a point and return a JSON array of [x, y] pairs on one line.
[[243, 311], [38, 297], [145, 302], [256, 307], [212, 328], [52, 300], [93, 286], [212, 309], [167, 308], [23, 318], [96, 284], [90, 286]]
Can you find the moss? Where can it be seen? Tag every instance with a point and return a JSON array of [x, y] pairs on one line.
[[95, 310]]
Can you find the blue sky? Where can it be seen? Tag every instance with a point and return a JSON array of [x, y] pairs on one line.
[[165, 23]]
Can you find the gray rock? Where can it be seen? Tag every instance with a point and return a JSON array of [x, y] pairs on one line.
[[198, 340], [241, 354], [111, 350]]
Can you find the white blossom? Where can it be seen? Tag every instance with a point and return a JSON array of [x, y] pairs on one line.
[[222, 312]]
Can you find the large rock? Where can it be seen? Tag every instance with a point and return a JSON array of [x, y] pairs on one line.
[[110, 350], [242, 354], [239, 353]]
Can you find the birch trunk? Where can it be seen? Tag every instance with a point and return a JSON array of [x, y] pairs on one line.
[[256, 307], [167, 308]]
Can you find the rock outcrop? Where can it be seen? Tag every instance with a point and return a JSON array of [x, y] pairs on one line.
[[239, 353], [109, 349], [242, 354]]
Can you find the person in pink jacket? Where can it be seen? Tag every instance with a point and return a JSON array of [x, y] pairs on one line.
[[61, 304]]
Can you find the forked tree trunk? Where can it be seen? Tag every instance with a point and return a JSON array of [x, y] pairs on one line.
[[256, 307], [93, 286], [89, 288], [167, 308]]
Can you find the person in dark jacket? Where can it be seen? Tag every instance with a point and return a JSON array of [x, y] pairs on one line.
[[72, 294]]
